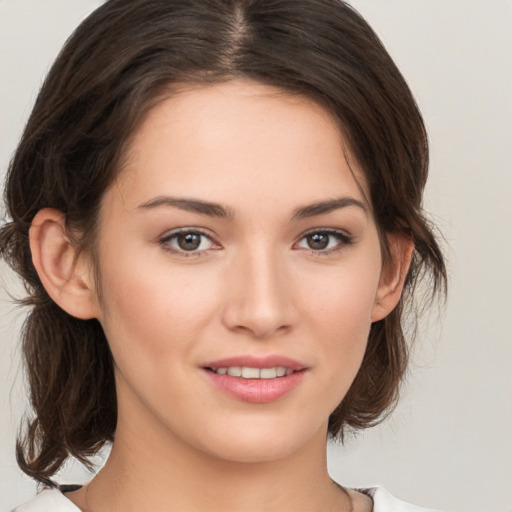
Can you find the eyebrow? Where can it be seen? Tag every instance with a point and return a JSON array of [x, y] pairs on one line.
[[191, 205], [217, 210], [324, 207]]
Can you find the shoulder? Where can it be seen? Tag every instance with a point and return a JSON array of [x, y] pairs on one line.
[[49, 500], [384, 501]]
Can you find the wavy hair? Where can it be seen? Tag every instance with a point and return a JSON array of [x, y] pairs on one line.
[[119, 62]]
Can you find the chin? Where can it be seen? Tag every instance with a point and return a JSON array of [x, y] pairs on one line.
[[258, 443], [248, 453]]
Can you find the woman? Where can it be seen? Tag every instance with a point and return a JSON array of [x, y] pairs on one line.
[[216, 209]]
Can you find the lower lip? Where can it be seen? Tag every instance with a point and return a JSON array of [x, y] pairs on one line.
[[259, 391]]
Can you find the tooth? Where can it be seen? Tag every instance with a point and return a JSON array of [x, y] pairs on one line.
[[250, 373], [234, 371], [268, 373], [280, 371]]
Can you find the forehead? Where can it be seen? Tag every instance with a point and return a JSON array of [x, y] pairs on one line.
[[239, 135]]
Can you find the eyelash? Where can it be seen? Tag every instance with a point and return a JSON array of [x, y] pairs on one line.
[[165, 242], [343, 239]]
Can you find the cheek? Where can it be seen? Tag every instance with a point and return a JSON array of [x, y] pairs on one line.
[[344, 298], [340, 309], [146, 307]]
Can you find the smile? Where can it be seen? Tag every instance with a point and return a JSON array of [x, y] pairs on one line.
[[256, 379], [247, 372]]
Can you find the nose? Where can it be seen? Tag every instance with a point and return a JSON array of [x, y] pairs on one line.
[[259, 296]]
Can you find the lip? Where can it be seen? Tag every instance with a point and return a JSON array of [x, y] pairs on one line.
[[257, 362], [256, 390]]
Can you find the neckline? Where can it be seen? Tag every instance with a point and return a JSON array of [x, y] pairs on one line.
[[62, 489]]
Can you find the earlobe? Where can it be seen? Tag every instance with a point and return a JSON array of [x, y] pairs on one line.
[[393, 275], [64, 276]]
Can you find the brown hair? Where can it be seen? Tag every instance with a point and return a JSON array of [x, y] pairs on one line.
[[110, 72]]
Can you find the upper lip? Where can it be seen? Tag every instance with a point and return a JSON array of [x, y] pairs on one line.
[[270, 361]]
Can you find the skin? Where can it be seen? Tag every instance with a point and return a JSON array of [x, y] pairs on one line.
[[254, 286]]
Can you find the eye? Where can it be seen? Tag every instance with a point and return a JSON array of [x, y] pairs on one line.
[[190, 241], [325, 241]]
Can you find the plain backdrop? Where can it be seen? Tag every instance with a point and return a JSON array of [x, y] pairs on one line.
[[449, 443]]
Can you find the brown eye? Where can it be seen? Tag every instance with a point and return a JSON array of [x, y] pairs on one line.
[[325, 241], [318, 241], [188, 241]]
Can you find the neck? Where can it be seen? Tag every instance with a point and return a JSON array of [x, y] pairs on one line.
[[161, 473]]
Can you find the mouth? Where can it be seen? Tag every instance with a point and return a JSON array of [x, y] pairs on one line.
[[256, 379], [248, 372]]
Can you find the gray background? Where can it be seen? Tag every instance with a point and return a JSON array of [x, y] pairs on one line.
[[449, 444]]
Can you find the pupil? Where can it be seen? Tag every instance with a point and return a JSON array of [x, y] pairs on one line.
[[189, 241], [318, 241]]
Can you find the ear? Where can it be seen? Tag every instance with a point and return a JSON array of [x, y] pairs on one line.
[[66, 278], [393, 275]]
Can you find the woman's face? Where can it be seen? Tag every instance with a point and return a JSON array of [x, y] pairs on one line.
[[236, 241]]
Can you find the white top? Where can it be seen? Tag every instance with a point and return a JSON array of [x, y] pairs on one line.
[[52, 500]]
